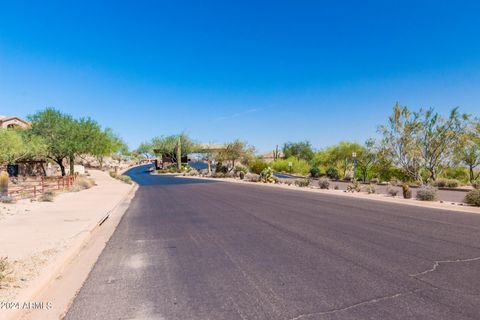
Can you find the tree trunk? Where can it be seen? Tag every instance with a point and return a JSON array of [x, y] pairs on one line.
[[72, 165], [179, 155], [209, 162], [60, 164], [472, 174]]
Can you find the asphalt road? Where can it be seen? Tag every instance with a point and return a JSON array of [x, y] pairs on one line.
[[195, 249]]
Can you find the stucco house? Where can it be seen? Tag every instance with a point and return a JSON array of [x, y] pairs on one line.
[[13, 121]]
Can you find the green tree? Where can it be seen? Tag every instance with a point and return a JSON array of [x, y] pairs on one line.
[[438, 137], [107, 143], [236, 151], [399, 142], [366, 157], [300, 150], [64, 137], [468, 149]]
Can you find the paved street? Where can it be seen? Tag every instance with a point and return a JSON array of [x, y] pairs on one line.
[[197, 249]]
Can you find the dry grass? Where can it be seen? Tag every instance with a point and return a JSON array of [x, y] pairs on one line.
[[47, 196], [5, 269], [82, 183]]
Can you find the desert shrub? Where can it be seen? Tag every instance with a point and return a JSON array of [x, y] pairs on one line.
[[453, 183], [370, 189], [375, 180], [267, 175], [315, 172], [203, 172], [299, 166], [125, 179], [392, 191], [302, 182], [332, 173], [323, 183], [285, 181], [476, 184], [82, 183], [253, 177], [407, 193], [239, 169], [427, 193], [456, 173], [229, 174], [473, 198], [394, 181], [4, 268], [257, 166], [47, 196], [241, 175], [354, 187], [113, 174], [336, 187], [193, 173]]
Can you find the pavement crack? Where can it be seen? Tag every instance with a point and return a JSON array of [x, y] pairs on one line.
[[437, 263], [359, 304]]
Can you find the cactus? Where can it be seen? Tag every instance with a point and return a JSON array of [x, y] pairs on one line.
[[267, 176], [276, 153], [407, 193], [3, 184]]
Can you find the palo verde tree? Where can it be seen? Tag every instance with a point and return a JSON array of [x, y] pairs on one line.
[[64, 137], [467, 151], [107, 143], [399, 142], [300, 150], [236, 151]]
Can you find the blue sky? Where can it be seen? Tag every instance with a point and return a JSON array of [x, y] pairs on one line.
[[262, 71]]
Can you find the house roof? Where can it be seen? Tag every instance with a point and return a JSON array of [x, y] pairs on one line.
[[7, 118]]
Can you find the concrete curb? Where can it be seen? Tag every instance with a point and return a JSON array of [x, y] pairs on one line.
[[55, 268]]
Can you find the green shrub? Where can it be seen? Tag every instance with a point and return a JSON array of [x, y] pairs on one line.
[[257, 166], [241, 175], [302, 182], [299, 166], [47, 196], [456, 173], [375, 180], [427, 193], [113, 174], [125, 179], [315, 172], [239, 169], [332, 173], [324, 183], [370, 189], [473, 198], [407, 193]]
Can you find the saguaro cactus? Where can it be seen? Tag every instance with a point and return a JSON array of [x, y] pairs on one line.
[[3, 184]]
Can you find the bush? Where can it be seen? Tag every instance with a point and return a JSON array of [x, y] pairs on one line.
[[375, 180], [299, 166], [82, 183], [240, 169], [332, 173], [473, 198], [302, 182], [4, 269], [125, 179], [315, 172], [394, 182], [476, 184], [113, 174], [241, 175], [370, 189], [285, 181], [354, 187], [336, 187], [193, 173], [427, 193], [392, 191], [47, 196], [324, 183], [257, 166], [267, 176], [407, 193], [449, 183], [253, 177]]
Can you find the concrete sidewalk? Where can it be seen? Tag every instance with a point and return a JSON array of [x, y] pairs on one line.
[[38, 237]]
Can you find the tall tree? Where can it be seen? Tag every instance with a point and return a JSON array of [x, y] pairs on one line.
[[400, 143], [468, 150], [236, 151], [366, 157], [438, 138], [300, 150]]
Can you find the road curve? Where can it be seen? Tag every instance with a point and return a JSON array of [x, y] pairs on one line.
[[198, 249]]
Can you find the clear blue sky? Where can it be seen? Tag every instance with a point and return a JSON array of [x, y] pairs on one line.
[[266, 72]]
